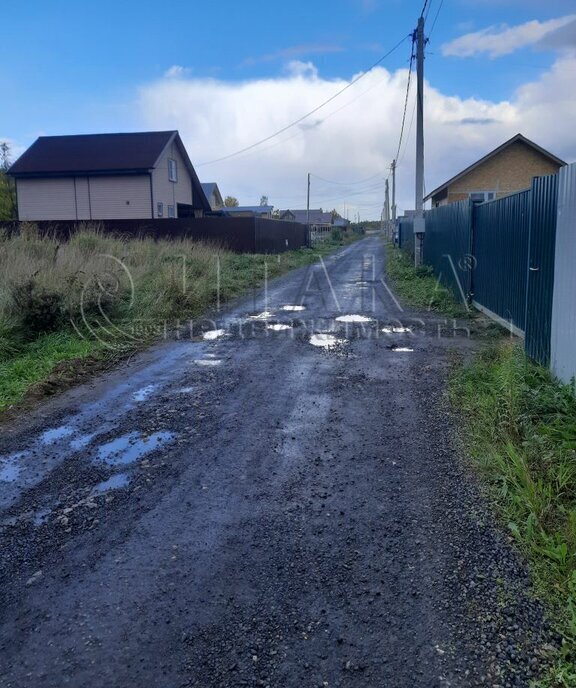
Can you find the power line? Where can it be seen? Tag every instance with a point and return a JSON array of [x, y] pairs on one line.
[[435, 18], [319, 107], [406, 100], [424, 8]]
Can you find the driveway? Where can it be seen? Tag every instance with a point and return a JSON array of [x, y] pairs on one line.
[[280, 504]]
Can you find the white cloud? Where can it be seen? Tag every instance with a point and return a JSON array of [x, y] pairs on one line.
[[176, 72], [503, 40], [353, 137]]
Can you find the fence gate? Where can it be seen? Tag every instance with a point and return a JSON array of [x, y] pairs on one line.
[[542, 242]]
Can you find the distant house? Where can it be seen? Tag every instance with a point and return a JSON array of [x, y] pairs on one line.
[[264, 211], [108, 177], [507, 169], [212, 193], [318, 219]]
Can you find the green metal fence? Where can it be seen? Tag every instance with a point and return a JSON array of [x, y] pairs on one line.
[[500, 234], [406, 235], [448, 246]]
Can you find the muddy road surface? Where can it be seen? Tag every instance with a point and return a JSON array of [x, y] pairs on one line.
[[275, 502]]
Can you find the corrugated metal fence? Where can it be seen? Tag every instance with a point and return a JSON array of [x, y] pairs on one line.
[[502, 256], [406, 235]]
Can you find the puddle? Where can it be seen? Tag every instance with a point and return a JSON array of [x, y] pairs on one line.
[[278, 327], [116, 482], [207, 362], [144, 393], [213, 334], [83, 441], [185, 390], [131, 447], [10, 468], [326, 341], [56, 434], [266, 315], [354, 319], [397, 330], [41, 516], [402, 349], [294, 309]]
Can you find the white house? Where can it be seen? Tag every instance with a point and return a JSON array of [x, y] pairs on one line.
[[108, 177]]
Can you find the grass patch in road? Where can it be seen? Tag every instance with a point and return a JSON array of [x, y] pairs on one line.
[[138, 284], [417, 286], [519, 427]]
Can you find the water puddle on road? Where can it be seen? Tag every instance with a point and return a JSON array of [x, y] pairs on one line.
[[402, 349], [265, 315], [354, 319], [144, 393], [278, 327], [396, 330], [186, 390], [326, 341], [41, 516], [131, 447], [208, 362], [211, 335], [116, 482], [10, 467], [55, 434], [83, 441], [294, 309]]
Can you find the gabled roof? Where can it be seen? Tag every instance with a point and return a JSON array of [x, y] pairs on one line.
[[256, 209], [99, 154], [317, 216], [514, 139]]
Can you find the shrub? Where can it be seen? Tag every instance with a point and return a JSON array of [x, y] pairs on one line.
[[36, 310]]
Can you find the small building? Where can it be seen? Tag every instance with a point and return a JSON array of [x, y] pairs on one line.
[[319, 220], [263, 211], [108, 177], [212, 193], [506, 170]]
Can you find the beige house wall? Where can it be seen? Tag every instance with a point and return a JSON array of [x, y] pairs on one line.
[[167, 192], [507, 172]]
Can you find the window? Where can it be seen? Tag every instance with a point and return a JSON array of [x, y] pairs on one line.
[[172, 170], [481, 196], [160, 211], [171, 212]]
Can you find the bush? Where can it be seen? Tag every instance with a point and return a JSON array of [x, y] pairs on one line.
[[36, 310]]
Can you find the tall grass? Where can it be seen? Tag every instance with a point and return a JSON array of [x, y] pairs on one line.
[[520, 429]]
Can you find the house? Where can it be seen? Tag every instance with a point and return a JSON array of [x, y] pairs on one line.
[[319, 220], [507, 169], [212, 193], [108, 177], [262, 211]]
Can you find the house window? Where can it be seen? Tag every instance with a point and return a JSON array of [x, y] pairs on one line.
[[171, 212], [481, 196], [160, 209], [172, 170]]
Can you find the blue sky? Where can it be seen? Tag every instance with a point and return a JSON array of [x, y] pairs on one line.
[[83, 67]]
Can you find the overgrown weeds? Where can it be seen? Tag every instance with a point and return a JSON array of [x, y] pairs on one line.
[[418, 287], [520, 429]]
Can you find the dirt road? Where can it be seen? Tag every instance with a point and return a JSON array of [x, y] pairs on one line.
[[264, 508]]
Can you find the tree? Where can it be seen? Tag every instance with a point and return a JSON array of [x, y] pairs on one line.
[[263, 200], [7, 190], [231, 202], [335, 215]]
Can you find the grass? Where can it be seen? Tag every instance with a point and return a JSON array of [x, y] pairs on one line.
[[519, 427], [97, 294], [418, 288]]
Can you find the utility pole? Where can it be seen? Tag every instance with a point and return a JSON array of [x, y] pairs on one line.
[[419, 223], [393, 190], [387, 202], [308, 204]]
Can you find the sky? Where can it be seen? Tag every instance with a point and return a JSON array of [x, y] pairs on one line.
[[230, 74]]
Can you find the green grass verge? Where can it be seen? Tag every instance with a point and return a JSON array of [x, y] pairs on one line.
[[418, 288], [159, 295], [519, 427]]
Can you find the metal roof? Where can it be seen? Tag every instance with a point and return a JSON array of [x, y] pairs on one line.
[[514, 139], [249, 208], [317, 216]]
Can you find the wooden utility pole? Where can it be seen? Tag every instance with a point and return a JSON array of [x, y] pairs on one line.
[[419, 223], [308, 204], [387, 202]]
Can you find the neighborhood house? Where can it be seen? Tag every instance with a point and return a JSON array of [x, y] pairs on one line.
[[108, 177], [319, 221], [212, 193], [507, 169]]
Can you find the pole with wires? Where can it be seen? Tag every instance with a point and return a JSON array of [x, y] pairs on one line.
[[308, 211], [393, 168], [419, 222]]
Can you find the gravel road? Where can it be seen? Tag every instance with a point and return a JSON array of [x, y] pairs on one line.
[[277, 503]]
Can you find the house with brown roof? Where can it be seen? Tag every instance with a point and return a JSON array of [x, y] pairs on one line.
[[506, 170], [139, 175]]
